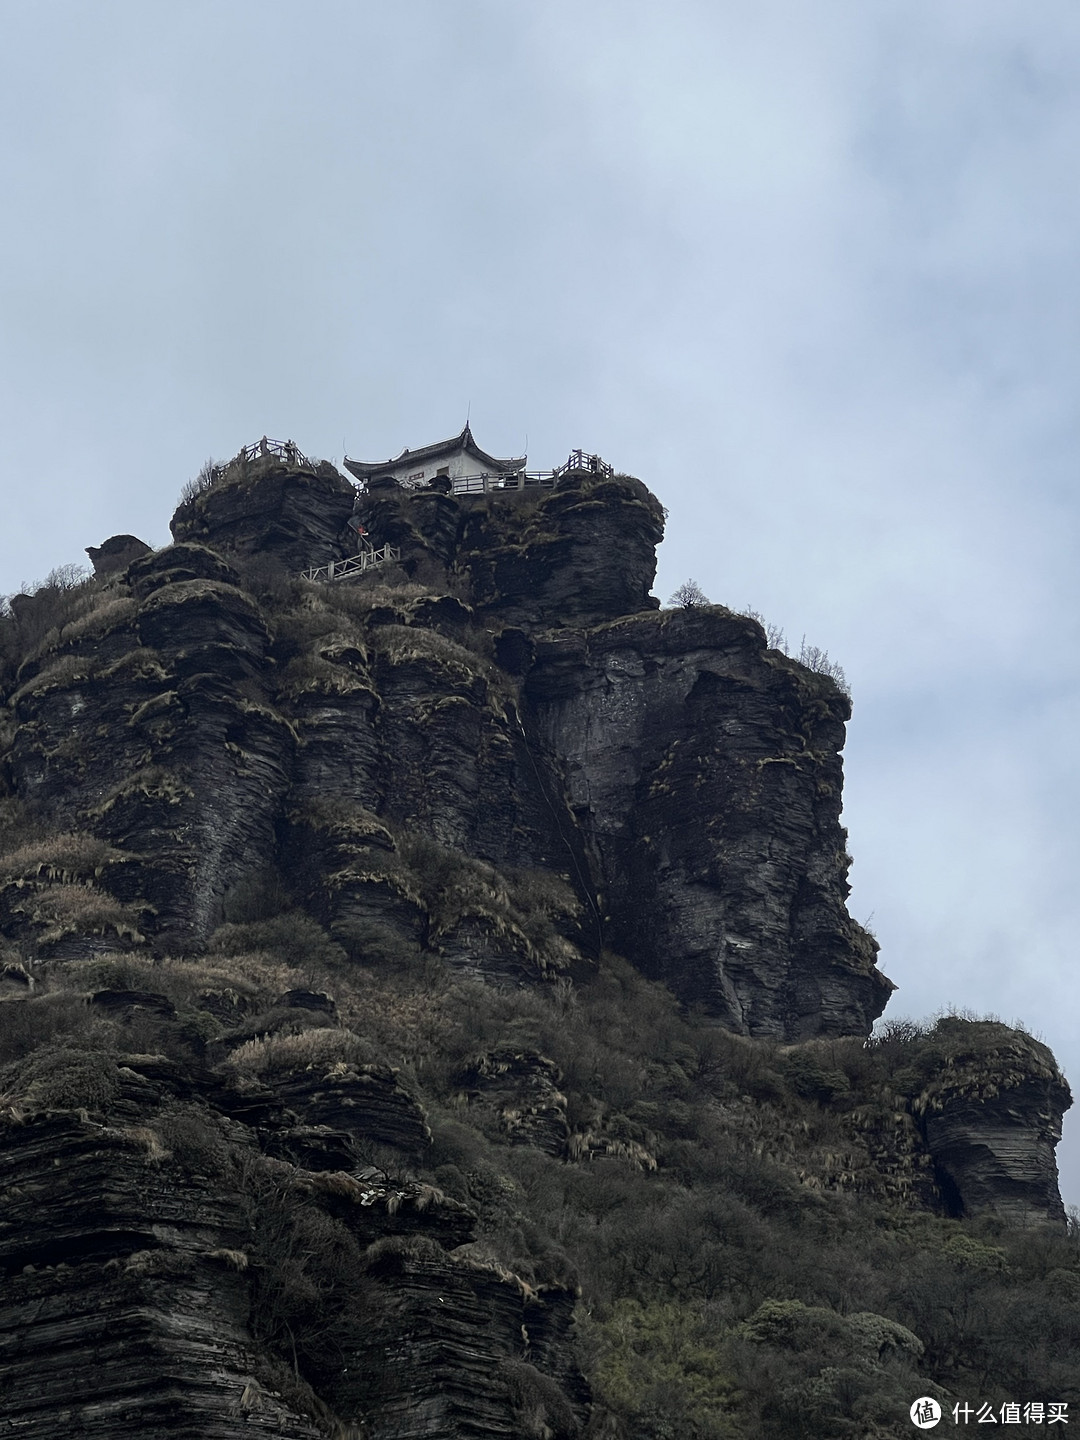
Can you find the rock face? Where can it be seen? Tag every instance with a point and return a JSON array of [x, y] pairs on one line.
[[701, 769], [992, 1119], [684, 779], [704, 772], [578, 554], [293, 512], [189, 761], [109, 1245], [497, 757], [116, 553], [523, 1088]]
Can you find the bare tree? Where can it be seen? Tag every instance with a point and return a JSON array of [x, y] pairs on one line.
[[64, 577], [200, 482], [818, 660], [774, 634], [690, 596]]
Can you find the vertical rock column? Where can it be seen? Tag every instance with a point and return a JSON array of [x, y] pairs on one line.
[[705, 772]]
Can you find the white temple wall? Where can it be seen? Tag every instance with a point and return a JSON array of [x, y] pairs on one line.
[[458, 465]]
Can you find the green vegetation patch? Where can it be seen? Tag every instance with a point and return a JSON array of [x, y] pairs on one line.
[[961, 1058], [660, 1370], [527, 909]]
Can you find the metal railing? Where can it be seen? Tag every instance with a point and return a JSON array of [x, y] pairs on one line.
[[265, 450], [579, 461], [354, 566], [582, 460], [485, 484]]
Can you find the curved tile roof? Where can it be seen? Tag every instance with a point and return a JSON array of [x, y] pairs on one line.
[[364, 470]]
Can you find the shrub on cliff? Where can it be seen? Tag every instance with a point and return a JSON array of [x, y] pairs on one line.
[[818, 660], [207, 475], [33, 1022], [659, 1370], [321, 1050], [28, 618], [312, 1298], [540, 1408]]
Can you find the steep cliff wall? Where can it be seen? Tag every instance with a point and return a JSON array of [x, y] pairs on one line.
[[683, 779], [702, 769], [323, 1086]]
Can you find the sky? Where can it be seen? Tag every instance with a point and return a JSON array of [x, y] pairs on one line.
[[808, 271]]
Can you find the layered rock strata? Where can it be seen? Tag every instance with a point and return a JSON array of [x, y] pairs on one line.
[[497, 755], [683, 779], [991, 1114], [705, 772], [702, 769], [160, 1228]]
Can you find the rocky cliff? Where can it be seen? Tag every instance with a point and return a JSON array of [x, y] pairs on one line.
[[297, 877]]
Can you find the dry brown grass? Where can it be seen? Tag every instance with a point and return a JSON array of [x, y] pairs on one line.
[[356, 601], [103, 612], [73, 909], [255, 978], [142, 1138], [405, 1017], [327, 1050], [521, 908], [312, 674], [62, 1078], [302, 626], [410, 644], [115, 970], [292, 939], [153, 782], [62, 674], [138, 664], [345, 822], [256, 975], [67, 857], [231, 1259], [191, 592], [324, 657]]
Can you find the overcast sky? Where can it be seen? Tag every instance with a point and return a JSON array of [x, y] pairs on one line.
[[808, 270]]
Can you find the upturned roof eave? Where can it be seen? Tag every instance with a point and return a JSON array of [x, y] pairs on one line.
[[364, 469]]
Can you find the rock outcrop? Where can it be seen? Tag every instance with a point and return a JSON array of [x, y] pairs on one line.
[[685, 779], [704, 771], [698, 771], [523, 1090], [991, 1111], [116, 553], [290, 509], [155, 1229], [495, 759]]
